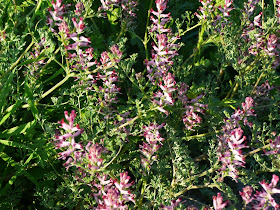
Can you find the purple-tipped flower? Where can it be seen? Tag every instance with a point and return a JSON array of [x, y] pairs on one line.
[[94, 152], [257, 20], [231, 141], [38, 50], [71, 130], [79, 8], [165, 95], [79, 42], [218, 202], [246, 194], [206, 9], [261, 94], [264, 197], [68, 139], [262, 200], [208, 13], [79, 26], [260, 42], [112, 194], [227, 8], [152, 144], [192, 107], [164, 49], [59, 10], [56, 18], [162, 55], [274, 146], [123, 186], [249, 7], [109, 92]]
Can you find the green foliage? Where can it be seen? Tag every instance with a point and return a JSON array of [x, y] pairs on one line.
[[214, 61]]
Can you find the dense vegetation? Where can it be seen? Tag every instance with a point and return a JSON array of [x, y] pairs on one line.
[[126, 104]]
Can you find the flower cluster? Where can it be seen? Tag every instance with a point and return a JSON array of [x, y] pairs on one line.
[[152, 144], [93, 155], [165, 94], [59, 26], [164, 49], [260, 42], [111, 193], [274, 146], [263, 199], [227, 8], [158, 69], [209, 13], [56, 18], [108, 91], [191, 107], [231, 142], [98, 85], [108, 193], [67, 140], [261, 94], [205, 11], [218, 202], [162, 53], [109, 77], [81, 60]]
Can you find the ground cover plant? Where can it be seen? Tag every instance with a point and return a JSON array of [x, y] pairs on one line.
[[126, 104]]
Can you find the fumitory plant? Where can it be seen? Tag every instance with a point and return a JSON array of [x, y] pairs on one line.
[[129, 104]]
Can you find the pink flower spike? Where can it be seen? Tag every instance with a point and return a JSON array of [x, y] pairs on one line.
[[270, 188], [79, 8], [67, 140], [246, 194], [249, 103], [218, 202], [264, 199], [123, 186], [227, 8], [257, 20], [152, 144], [79, 26]]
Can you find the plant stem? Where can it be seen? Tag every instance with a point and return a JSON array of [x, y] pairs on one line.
[[50, 90], [54, 87], [50, 59], [200, 135], [234, 90], [189, 29], [194, 187], [18, 60], [146, 31], [104, 167], [121, 32], [194, 54], [257, 150], [255, 86]]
